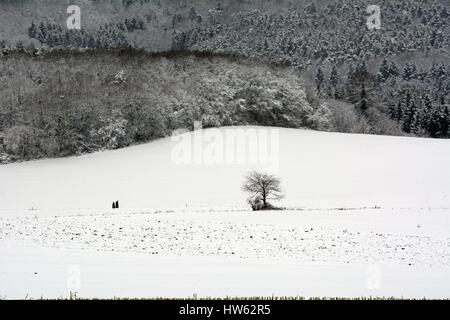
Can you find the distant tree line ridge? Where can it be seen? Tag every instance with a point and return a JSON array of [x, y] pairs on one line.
[[68, 102], [335, 32], [298, 34], [108, 35]]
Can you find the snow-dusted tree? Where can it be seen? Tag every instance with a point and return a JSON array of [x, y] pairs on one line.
[[262, 187], [21, 141], [112, 134], [440, 121], [409, 71], [393, 69]]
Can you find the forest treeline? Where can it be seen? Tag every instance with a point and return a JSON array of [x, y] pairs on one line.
[[401, 70], [69, 102], [417, 99], [332, 32], [64, 102]]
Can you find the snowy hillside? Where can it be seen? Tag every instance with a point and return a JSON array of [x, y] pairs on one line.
[[369, 216], [317, 169]]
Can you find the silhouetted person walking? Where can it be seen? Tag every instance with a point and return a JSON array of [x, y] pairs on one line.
[[117, 204]]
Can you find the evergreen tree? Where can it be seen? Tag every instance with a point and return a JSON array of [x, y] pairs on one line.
[[192, 13], [409, 72], [392, 111], [42, 33], [408, 112], [403, 111], [363, 104], [434, 125], [320, 81], [439, 122], [32, 31], [311, 8], [393, 70], [417, 121], [444, 120], [334, 82], [385, 71]]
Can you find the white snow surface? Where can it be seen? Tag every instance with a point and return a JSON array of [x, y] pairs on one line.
[[367, 216]]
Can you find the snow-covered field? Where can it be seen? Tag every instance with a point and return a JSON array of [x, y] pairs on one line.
[[369, 216]]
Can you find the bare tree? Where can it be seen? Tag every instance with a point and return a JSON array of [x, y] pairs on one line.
[[262, 187]]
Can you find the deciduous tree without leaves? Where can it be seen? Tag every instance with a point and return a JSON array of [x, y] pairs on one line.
[[263, 186]]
